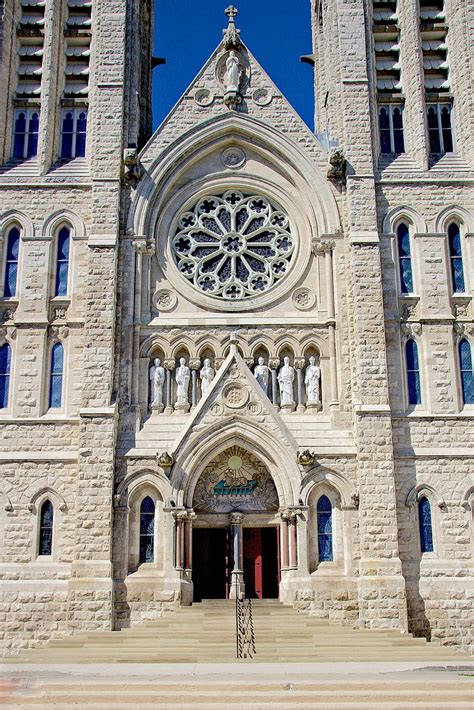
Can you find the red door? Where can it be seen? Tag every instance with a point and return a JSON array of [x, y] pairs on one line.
[[253, 576]]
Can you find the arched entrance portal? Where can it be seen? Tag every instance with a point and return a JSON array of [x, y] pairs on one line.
[[236, 548]]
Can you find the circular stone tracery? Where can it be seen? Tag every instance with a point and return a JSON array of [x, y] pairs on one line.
[[233, 246]]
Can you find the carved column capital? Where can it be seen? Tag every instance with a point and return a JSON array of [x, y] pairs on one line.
[[274, 363], [169, 363], [236, 518], [144, 246], [299, 363], [194, 363], [321, 246]]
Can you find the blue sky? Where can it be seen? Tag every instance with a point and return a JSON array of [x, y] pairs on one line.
[[277, 32]]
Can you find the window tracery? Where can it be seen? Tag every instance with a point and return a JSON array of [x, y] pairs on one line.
[[233, 246]]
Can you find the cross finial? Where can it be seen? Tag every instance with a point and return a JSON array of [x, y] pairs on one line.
[[231, 13], [231, 35]]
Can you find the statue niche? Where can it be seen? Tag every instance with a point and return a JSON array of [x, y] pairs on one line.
[[235, 481]]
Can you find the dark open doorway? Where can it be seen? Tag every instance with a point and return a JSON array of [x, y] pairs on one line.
[[211, 559], [261, 563]]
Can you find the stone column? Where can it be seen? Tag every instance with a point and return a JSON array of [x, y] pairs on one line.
[[194, 365], [237, 587], [180, 518], [299, 367], [284, 515], [169, 366], [274, 364], [326, 247], [144, 249], [293, 539]]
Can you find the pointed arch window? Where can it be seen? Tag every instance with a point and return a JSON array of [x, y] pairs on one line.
[[324, 522], [426, 528], [56, 376], [25, 134], [404, 258], [455, 256], [45, 544], [11, 263], [467, 375], [147, 530], [5, 365], [413, 372], [73, 134], [62, 262]]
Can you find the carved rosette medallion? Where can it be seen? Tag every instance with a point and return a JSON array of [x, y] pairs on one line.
[[164, 300], [303, 298], [262, 96], [233, 157], [235, 396], [204, 97]]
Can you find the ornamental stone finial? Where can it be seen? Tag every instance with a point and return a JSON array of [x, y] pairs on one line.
[[231, 35]]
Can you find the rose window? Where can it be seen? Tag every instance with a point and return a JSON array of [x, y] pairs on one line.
[[233, 246]]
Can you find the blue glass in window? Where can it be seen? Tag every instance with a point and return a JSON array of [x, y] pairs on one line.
[[19, 135], [467, 375], [398, 137], [56, 375], [33, 127], [446, 129], [455, 253], [67, 135], [147, 530], [5, 364], [11, 265], [413, 372], [426, 530], [384, 127], [81, 131], [324, 521], [46, 529], [433, 130], [62, 262], [404, 259]]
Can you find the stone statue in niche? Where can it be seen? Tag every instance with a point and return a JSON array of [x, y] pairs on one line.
[[182, 377], [262, 374], [311, 381], [157, 381], [232, 73], [286, 377], [207, 375]]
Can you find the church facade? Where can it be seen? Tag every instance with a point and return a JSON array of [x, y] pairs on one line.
[[236, 357]]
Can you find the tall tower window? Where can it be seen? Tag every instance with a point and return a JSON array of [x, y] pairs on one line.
[[11, 263], [404, 259], [413, 372], [391, 128], [439, 128], [455, 256], [73, 134], [56, 376], [5, 366], [147, 530], [62, 262], [424, 521], [25, 134], [324, 522], [467, 375], [45, 543]]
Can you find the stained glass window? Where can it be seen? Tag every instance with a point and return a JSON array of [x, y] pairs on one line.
[[56, 376], [11, 263], [324, 515], [25, 134], [404, 259], [439, 128], [46, 528], [413, 372], [147, 530], [5, 365], [426, 530], [62, 262], [455, 254], [74, 133], [467, 375], [391, 129]]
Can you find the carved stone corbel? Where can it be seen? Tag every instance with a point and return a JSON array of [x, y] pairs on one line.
[[144, 246]]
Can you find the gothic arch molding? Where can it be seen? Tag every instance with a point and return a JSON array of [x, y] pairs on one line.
[[317, 476], [403, 213], [424, 489], [60, 217], [454, 213], [139, 479]]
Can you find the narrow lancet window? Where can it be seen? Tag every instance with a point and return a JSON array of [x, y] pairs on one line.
[[62, 262], [73, 134], [413, 372], [25, 135], [467, 375], [324, 522], [404, 259], [11, 263], [5, 365], [45, 546], [455, 255], [424, 520], [56, 376], [147, 530]]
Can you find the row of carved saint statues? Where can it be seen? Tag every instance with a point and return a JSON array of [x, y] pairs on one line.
[[287, 387]]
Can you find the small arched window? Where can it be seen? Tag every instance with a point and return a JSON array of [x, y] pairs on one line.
[[62, 262], [424, 521], [404, 259], [45, 544], [413, 372], [324, 522], [5, 366], [56, 376], [467, 375], [147, 530], [455, 256], [11, 263]]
